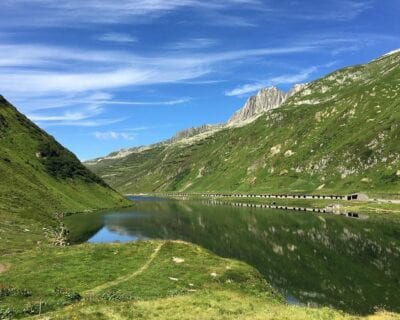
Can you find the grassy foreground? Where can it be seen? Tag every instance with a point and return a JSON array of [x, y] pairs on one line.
[[219, 304], [144, 280]]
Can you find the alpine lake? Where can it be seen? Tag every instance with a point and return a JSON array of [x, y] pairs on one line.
[[312, 259]]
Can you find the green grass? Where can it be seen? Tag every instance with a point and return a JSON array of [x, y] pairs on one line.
[[38, 179], [216, 304], [116, 272], [338, 135], [131, 281]]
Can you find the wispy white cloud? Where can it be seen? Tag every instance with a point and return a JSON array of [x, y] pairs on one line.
[[229, 20], [344, 39], [75, 13], [145, 103], [97, 122], [332, 10], [339, 10], [117, 37], [41, 83], [194, 43], [83, 114], [113, 135], [103, 99], [68, 116], [285, 79], [46, 77], [49, 12], [83, 110], [36, 55], [42, 77], [216, 12], [108, 69]]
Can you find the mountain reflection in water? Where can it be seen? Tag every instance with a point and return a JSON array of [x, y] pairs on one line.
[[348, 264]]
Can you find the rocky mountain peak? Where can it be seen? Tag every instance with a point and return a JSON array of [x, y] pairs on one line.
[[188, 133], [265, 100], [296, 88]]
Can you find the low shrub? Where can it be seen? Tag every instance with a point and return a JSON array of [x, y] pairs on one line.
[[13, 292], [71, 296]]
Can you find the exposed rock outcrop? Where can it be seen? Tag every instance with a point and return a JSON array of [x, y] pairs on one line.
[[188, 133], [296, 88], [265, 100]]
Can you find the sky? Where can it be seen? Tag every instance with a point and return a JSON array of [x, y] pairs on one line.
[[101, 75]]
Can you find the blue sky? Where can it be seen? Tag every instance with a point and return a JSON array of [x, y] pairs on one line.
[[101, 75]]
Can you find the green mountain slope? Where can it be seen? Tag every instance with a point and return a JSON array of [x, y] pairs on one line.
[[38, 177], [337, 134]]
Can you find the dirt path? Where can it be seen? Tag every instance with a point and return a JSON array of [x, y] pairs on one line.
[[127, 277], [387, 201]]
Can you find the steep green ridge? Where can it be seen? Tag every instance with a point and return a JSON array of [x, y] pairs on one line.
[[338, 134], [38, 177]]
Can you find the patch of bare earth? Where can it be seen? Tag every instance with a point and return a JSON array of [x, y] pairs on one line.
[[4, 267]]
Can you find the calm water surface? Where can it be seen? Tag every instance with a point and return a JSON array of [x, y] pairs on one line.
[[348, 264]]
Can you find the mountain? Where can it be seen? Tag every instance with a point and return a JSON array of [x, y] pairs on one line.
[[194, 132], [266, 100], [39, 177], [337, 134]]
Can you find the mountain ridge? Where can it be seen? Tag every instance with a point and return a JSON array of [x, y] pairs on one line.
[[40, 177], [265, 100], [336, 134]]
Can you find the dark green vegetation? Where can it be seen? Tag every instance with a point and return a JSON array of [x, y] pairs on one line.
[[325, 260], [38, 177], [339, 134], [63, 164]]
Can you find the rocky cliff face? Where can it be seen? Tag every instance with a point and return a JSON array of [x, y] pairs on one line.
[[265, 100], [296, 88], [188, 133]]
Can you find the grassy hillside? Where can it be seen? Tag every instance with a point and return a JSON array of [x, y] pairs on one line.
[[218, 304], [38, 177], [338, 134], [145, 280]]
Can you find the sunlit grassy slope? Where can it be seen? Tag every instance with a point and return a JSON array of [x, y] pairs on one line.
[[339, 134], [220, 304], [38, 177], [145, 280]]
